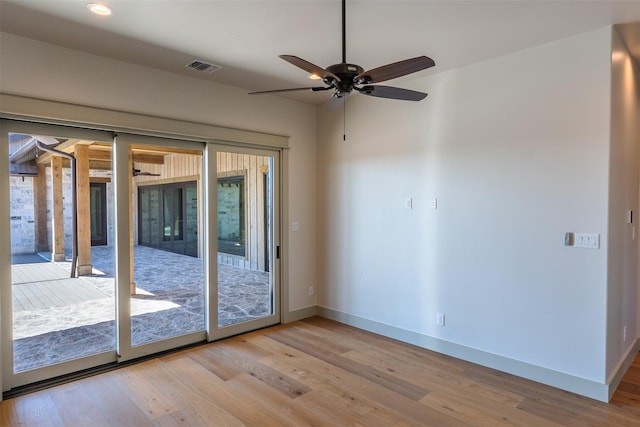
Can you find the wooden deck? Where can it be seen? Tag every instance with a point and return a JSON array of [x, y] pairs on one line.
[[37, 272], [42, 285]]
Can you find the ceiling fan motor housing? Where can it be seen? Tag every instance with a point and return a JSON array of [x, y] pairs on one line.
[[346, 73]]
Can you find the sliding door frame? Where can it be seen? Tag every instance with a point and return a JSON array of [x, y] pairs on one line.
[[8, 378], [124, 235], [37, 111], [215, 331]]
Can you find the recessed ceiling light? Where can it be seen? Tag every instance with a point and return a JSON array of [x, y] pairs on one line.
[[100, 9]]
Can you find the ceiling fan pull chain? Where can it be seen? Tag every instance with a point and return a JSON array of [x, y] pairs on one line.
[[344, 121]]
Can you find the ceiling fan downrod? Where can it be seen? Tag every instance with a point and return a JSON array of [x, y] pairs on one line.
[[344, 31]]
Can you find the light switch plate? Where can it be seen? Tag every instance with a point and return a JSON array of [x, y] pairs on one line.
[[587, 240], [408, 203]]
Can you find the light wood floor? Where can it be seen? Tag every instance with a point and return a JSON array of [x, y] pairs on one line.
[[315, 372]]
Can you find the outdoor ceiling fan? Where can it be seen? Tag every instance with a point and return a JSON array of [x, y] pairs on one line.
[[139, 172], [344, 78]]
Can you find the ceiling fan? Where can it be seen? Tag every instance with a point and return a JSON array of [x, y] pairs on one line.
[[139, 172], [344, 78]]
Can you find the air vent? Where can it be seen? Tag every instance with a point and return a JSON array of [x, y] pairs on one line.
[[203, 66]]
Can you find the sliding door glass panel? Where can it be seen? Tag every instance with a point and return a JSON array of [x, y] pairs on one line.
[[168, 289], [245, 236], [63, 308]]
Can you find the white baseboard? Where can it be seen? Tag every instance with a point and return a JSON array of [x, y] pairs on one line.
[[303, 313], [623, 366], [588, 388]]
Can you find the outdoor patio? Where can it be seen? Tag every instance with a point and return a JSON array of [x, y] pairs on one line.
[[57, 318]]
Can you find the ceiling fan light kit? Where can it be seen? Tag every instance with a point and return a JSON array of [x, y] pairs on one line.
[[344, 78]]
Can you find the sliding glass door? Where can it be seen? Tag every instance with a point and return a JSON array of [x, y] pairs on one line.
[[247, 259], [58, 292], [162, 287], [128, 245]]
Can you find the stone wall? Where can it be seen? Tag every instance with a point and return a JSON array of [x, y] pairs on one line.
[[22, 215]]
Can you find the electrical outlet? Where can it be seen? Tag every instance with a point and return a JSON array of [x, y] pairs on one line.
[[624, 334], [310, 290], [440, 319]]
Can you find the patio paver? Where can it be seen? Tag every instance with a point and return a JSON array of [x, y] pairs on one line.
[[170, 299]]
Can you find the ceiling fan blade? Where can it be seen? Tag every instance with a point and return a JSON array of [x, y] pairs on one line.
[[312, 89], [395, 70], [335, 102], [392, 93], [309, 67]]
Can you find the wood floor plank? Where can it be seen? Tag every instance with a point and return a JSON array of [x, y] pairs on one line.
[[475, 409], [393, 348], [352, 410], [107, 393], [36, 410], [80, 409], [322, 415], [138, 383], [317, 349], [320, 375], [194, 410], [315, 372], [428, 379], [288, 411], [217, 362], [203, 386], [343, 393]]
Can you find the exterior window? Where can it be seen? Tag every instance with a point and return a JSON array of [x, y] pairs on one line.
[[231, 215], [162, 212]]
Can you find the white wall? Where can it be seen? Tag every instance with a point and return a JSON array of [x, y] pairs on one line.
[[622, 306], [46, 71], [516, 151]]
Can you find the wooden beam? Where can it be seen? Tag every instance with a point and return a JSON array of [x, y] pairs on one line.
[[57, 226], [99, 165], [153, 159], [84, 266], [99, 154], [69, 146], [40, 209], [99, 179]]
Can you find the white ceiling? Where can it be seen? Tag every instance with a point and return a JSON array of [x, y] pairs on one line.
[[245, 37]]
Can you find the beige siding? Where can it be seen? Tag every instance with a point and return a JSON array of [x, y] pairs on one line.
[[253, 168], [188, 167]]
